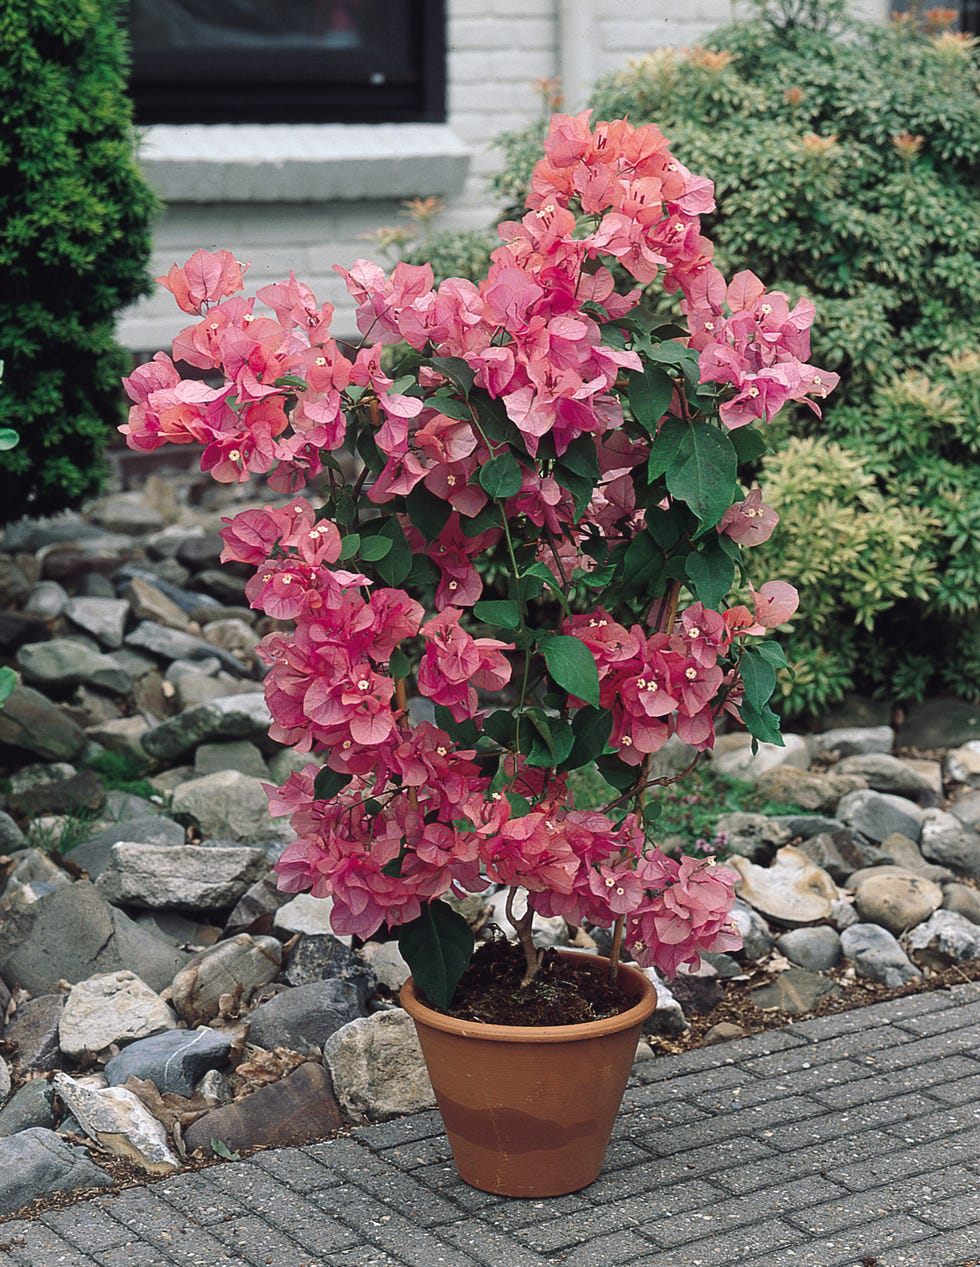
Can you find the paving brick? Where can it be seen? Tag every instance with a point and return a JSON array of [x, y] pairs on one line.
[[400, 1131], [123, 1257], [665, 1115], [966, 1017], [666, 1089], [830, 1157], [731, 1247], [909, 1160], [916, 1196], [843, 1047], [944, 1121], [418, 1152], [724, 1154], [723, 1217], [925, 1050], [735, 1052], [574, 1229], [319, 1224], [38, 1244], [196, 1196], [841, 1123], [296, 1168], [489, 1247], [142, 1211], [99, 1229], [956, 1211], [948, 1249], [872, 1240], [260, 1245], [929, 1078], [956, 1090]]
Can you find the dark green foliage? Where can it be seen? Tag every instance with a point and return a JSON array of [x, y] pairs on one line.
[[74, 244]]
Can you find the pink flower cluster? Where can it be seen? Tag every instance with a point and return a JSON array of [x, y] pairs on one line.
[[416, 814]]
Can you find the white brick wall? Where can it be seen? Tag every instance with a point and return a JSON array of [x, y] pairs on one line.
[[496, 50]]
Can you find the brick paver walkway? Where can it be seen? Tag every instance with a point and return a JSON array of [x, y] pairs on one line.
[[852, 1140]]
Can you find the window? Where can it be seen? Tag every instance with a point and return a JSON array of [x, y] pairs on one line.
[[288, 61]]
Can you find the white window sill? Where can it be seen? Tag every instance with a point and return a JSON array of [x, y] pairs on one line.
[[322, 162]]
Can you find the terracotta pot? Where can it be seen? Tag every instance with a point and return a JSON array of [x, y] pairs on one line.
[[529, 1109]]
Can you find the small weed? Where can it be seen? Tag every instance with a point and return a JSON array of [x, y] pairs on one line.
[[123, 772], [57, 833]]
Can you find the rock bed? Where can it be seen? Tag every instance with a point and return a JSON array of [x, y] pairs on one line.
[[161, 1001]]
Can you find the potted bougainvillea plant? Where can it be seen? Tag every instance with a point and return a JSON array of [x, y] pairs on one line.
[[520, 559]]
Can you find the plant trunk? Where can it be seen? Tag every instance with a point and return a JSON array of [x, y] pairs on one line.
[[522, 925]]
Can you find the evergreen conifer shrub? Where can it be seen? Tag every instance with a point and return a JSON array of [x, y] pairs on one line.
[[74, 244]]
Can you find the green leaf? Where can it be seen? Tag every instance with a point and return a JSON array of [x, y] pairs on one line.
[[221, 1149], [758, 679], [501, 476], [437, 947], [599, 577], [328, 783], [702, 472], [346, 511], [616, 773], [464, 732], [772, 652], [9, 438], [581, 488], [349, 546], [399, 665], [520, 806], [573, 666], [551, 740], [424, 572], [650, 391], [710, 572], [488, 517], [762, 724], [664, 448], [592, 727], [749, 443], [582, 458], [502, 612], [456, 370], [427, 512], [8, 680], [373, 549], [397, 563], [500, 726], [450, 407], [291, 380]]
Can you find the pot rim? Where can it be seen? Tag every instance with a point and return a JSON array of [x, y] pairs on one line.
[[634, 1016]]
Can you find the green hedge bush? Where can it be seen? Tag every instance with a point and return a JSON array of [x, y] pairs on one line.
[[74, 244], [844, 156]]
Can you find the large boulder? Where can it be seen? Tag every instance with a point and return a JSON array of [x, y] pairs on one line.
[[793, 890], [29, 721], [225, 975], [73, 933], [377, 1069], [175, 1060], [242, 716], [229, 806], [895, 899], [877, 955], [111, 1007], [36, 1162]]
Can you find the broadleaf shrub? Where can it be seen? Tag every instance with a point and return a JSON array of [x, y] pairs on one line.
[[74, 244], [844, 156]]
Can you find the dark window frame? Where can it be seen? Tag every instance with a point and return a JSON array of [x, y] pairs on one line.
[[309, 86]]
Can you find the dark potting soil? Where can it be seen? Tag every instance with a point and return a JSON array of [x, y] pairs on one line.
[[562, 993]]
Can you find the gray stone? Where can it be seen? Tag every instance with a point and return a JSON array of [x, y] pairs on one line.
[[305, 1016], [304, 913], [228, 589], [808, 789], [55, 789], [815, 949], [186, 599], [877, 955], [258, 905], [324, 957], [876, 815], [148, 602], [667, 1019], [377, 1069], [230, 806], [93, 855], [794, 991], [29, 721], [967, 810], [33, 1030], [111, 1007], [173, 1061], [384, 959], [174, 644], [4, 1080], [11, 836], [962, 899], [738, 761], [945, 840], [793, 890], [941, 723], [36, 1162], [298, 1109], [756, 937], [882, 772], [64, 662], [234, 635], [120, 1122], [185, 877], [103, 618], [72, 934], [120, 734], [30, 1105], [902, 852], [754, 836], [943, 939], [129, 513], [185, 930], [806, 825], [47, 599], [33, 875], [234, 754], [896, 901], [225, 975], [840, 853], [242, 716], [963, 764], [852, 741]]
